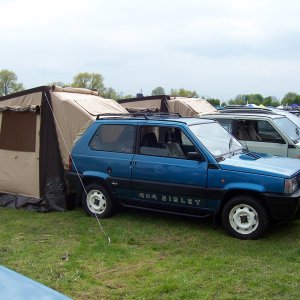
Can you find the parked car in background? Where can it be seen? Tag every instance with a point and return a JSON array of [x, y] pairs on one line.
[[14, 286], [262, 132], [292, 115], [187, 166]]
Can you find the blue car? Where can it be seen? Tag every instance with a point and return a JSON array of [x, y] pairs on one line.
[[186, 166], [14, 286]]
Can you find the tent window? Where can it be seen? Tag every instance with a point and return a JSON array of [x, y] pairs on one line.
[[18, 131]]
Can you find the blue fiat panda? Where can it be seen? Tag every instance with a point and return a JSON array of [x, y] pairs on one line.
[[187, 166]]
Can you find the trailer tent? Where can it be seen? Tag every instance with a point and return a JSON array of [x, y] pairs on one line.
[[37, 130], [186, 107]]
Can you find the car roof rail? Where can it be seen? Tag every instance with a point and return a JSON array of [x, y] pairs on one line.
[[248, 110], [145, 115]]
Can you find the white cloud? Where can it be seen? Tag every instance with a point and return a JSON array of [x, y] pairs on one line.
[[219, 48]]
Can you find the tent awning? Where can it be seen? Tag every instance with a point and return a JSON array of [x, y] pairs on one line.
[[26, 108]]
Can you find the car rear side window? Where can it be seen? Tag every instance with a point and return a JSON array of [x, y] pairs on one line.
[[114, 138]]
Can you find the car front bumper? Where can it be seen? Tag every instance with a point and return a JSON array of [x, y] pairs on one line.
[[283, 207]]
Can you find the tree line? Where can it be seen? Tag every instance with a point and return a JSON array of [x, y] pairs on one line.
[[9, 84]]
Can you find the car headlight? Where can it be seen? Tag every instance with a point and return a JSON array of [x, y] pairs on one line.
[[290, 185]]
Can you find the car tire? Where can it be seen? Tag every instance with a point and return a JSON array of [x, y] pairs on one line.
[[96, 201], [245, 218]]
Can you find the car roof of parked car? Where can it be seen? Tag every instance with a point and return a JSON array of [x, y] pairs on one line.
[[155, 117], [244, 114]]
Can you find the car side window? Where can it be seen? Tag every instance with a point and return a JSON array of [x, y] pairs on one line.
[[268, 133], [226, 124], [243, 131], [258, 131], [114, 138], [164, 141]]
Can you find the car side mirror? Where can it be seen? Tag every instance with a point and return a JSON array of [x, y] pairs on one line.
[[194, 156]]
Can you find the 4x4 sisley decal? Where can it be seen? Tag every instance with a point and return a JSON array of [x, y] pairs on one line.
[[188, 201]]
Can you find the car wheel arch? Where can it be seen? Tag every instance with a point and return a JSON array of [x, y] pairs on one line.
[[244, 217], [233, 193], [87, 180]]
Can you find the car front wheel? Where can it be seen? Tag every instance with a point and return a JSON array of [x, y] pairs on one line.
[[96, 201], [244, 217]]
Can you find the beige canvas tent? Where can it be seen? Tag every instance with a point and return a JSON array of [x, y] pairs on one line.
[[37, 130], [186, 107]]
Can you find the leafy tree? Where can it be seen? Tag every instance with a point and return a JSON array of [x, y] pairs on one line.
[[213, 101], [254, 99], [92, 81], [271, 101], [291, 98], [8, 83], [158, 91], [110, 93], [58, 83], [247, 99], [173, 92], [258, 98], [237, 101], [128, 96], [183, 93]]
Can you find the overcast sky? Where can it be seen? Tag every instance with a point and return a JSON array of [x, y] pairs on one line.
[[218, 48]]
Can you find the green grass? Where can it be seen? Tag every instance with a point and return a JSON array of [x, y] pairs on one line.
[[151, 256]]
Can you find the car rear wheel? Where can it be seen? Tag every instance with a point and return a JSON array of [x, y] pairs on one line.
[[245, 218], [96, 201]]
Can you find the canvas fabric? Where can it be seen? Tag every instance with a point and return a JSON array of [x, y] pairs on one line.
[[19, 172], [190, 107], [73, 112], [152, 105], [32, 167], [69, 89]]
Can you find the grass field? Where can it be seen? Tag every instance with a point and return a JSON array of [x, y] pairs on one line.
[[151, 256]]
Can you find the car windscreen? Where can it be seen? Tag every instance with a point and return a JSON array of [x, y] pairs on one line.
[[287, 126], [216, 139], [294, 118]]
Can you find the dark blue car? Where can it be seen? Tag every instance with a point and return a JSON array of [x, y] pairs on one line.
[[187, 166]]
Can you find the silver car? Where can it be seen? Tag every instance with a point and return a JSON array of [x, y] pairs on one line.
[[262, 132]]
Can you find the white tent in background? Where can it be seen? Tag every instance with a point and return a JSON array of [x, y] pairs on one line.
[[251, 105]]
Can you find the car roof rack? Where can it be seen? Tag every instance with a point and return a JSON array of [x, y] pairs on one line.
[[146, 116]]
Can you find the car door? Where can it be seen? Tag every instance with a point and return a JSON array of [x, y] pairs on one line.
[[110, 156], [163, 178], [260, 136]]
